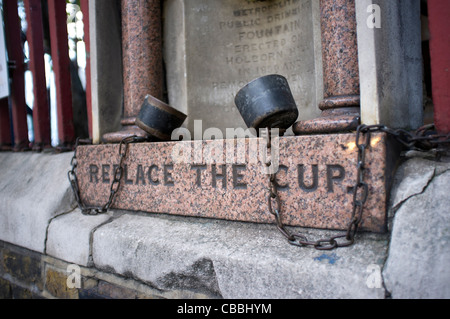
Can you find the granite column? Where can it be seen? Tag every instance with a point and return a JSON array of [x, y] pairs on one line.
[[142, 62], [341, 104]]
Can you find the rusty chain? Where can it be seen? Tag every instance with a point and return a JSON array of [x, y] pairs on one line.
[[422, 139], [115, 184]]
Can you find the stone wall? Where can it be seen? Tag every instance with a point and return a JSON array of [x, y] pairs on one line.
[[26, 274], [45, 243]]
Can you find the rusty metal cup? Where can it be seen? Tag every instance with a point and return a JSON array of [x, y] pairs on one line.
[[267, 102], [159, 119]]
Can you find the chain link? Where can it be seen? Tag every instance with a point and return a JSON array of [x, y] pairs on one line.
[[115, 184], [423, 139]]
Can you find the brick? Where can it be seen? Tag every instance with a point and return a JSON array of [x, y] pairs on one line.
[[5, 289], [21, 293], [118, 292], [106, 290], [9, 290], [56, 285], [25, 267]]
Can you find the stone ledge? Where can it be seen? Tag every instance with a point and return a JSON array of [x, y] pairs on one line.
[[233, 259], [33, 189], [70, 236], [217, 258]]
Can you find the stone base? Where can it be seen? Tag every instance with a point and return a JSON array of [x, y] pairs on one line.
[[332, 120], [226, 179], [134, 255], [126, 131], [327, 125]]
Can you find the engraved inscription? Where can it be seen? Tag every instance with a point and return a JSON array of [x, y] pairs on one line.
[[315, 177], [232, 42], [216, 176], [267, 38]]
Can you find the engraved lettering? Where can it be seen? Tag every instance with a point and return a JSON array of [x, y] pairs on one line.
[[105, 174], [222, 176], [168, 179], [315, 178], [332, 177], [93, 174], [270, 32], [307, 175], [237, 177], [140, 175], [152, 180], [285, 186], [125, 171], [199, 169]]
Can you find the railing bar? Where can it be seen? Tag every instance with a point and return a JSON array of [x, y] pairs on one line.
[[35, 37], [61, 69], [16, 60], [85, 10], [5, 126]]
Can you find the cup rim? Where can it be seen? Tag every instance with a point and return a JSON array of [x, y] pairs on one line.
[[257, 79], [165, 107]]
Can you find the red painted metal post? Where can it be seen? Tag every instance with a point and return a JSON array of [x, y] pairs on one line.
[[16, 59], [41, 110], [61, 68], [439, 24], [85, 9], [5, 126]]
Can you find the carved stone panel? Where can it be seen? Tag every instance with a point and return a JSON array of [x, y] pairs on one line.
[[220, 45]]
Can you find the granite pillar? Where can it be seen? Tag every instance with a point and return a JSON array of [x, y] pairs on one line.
[[142, 61], [341, 104]]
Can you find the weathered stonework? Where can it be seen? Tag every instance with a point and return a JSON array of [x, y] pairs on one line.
[[214, 48], [200, 178], [136, 255]]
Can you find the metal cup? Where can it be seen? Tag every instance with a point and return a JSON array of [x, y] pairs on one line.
[[159, 119], [267, 102]]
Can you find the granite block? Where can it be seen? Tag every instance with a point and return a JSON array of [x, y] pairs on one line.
[[220, 179]]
